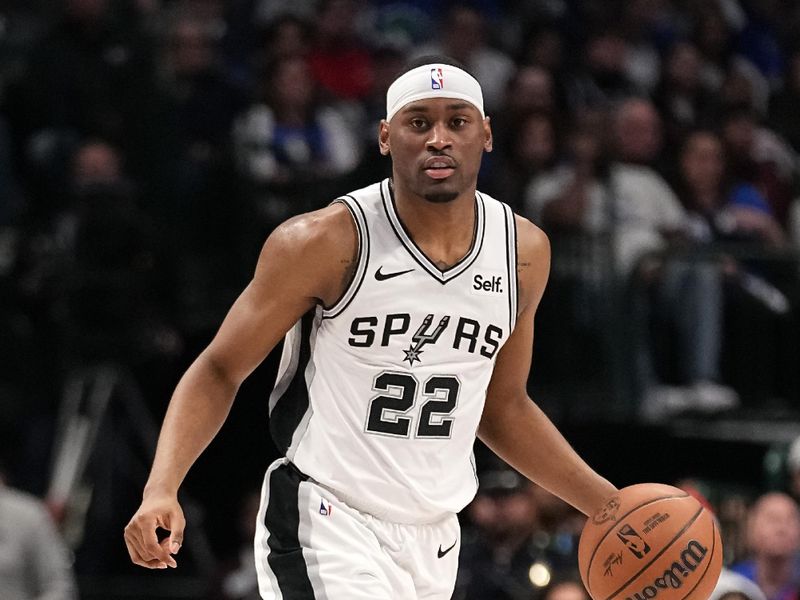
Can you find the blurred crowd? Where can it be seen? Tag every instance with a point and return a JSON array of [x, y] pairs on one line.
[[148, 147]]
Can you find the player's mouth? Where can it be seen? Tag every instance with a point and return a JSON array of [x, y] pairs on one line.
[[439, 167]]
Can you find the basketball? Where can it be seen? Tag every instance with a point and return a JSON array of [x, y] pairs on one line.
[[650, 541]]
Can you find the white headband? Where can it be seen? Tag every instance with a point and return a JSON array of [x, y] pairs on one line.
[[433, 81]]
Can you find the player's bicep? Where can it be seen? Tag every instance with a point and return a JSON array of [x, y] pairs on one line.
[[513, 365], [254, 325], [284, 287]]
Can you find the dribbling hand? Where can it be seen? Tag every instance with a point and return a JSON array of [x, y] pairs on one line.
[[140, 534]]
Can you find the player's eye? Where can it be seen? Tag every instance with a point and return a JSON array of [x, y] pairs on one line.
[[459, 122], [418, 123]]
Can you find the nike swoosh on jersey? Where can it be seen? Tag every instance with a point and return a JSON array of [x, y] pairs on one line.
[[384, 276], [441, 552]]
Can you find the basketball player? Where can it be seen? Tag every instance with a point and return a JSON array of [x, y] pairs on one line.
[[408, 309]]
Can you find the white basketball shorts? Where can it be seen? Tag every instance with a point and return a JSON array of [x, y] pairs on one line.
[[309, 545]]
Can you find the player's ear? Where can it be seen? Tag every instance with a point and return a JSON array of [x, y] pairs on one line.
[[488, 140], [383, 137]]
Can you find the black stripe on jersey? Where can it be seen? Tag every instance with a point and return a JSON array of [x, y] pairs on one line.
[[291, 407], [418, 255], [515, 266], [282, 520], [511, 263], [363, 259]]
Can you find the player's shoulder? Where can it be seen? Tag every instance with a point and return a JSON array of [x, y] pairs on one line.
[[333, 223], [312, 251], [323, 230], [530, 237]]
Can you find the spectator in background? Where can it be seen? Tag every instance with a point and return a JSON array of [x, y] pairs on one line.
[[573, 197], [285, 36], [773, 536], [733, 586], [646, 217], [116, 308], [645, 212], [720, 205], [339, 60], [532, 152], [201, 100], [712, 34], [639, 20], [289, 143], [545, 47], [558, 532], [529, 95], [496, 558], [387, 61], [680, 96], [690, 296], [35, 564], [531, 89], [90, 75], [743, 85], [508, 556], [759, 156], [601, 79]]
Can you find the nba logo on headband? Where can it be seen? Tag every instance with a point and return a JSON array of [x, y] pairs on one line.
[[437, 80]]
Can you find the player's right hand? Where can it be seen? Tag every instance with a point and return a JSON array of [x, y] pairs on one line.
[[140, 533]]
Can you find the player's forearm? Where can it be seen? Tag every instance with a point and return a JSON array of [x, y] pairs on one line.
[[523, 436], [197, 410]]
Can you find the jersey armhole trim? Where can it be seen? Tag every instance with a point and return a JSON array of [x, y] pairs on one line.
[[511, 262], [360, 221]]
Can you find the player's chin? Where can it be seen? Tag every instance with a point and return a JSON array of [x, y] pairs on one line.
[[440, 196], [440, 191]]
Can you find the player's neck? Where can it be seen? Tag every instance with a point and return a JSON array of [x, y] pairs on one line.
[[444, 231]]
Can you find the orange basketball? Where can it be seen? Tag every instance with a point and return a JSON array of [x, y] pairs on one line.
[[650, 541]]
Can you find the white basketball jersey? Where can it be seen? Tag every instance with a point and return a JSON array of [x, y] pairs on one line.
[[378, 398]]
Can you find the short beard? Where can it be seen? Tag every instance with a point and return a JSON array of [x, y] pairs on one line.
[[441, 197]]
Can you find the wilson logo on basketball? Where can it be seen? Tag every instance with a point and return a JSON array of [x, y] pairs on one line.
[[673, 578]]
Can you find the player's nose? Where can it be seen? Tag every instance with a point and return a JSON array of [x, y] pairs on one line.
[[439, 138]]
